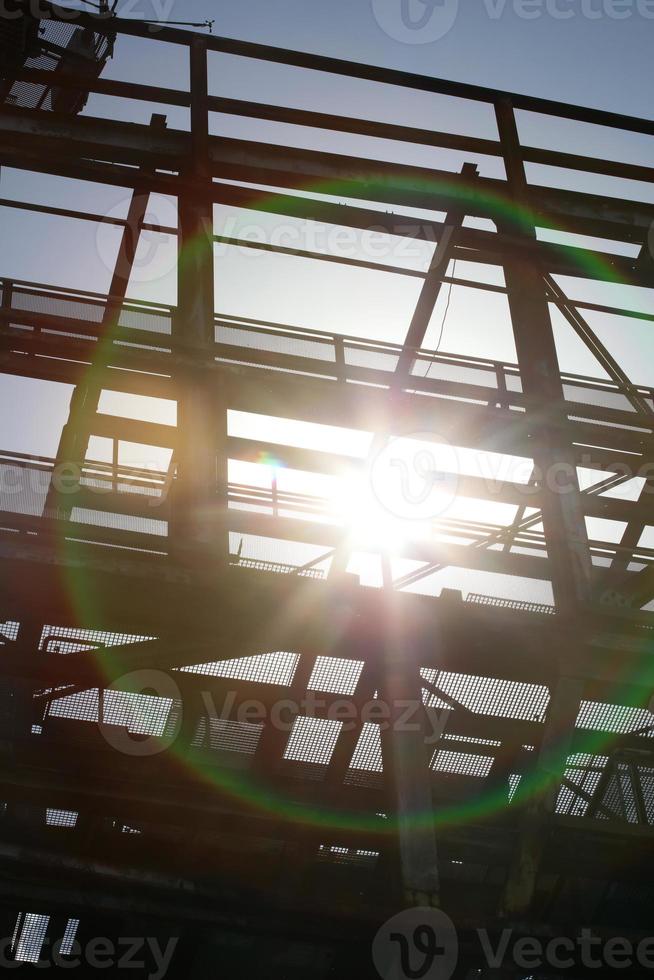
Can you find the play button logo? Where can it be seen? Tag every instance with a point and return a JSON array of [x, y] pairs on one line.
[[417, 944]]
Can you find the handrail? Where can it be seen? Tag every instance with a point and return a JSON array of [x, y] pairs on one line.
[[287, 331], [389, 76]]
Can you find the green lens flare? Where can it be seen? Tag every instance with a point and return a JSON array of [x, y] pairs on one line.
[[247, 788]]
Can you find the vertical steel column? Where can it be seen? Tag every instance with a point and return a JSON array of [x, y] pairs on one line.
[[197, 504], [563, 519], [552, 757], [405, 755]]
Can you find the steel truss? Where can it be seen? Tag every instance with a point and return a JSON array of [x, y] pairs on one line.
[[519, 693]]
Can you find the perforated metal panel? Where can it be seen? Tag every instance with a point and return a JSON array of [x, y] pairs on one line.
[[490, 696], [461, 763], [61, 818], [263, 668], [31, 931], [312, 740], [616, 718], [335, 675], [368, 754], [227, 736]]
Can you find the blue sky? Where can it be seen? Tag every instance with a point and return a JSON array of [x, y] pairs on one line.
[[600, 61], [590, 58]]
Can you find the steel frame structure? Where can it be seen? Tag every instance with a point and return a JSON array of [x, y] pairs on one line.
[[309, 857]]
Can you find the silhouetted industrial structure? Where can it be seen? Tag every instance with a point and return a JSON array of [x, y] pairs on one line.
[[271, 852]]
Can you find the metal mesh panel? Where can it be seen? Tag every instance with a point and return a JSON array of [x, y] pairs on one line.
[[60, 818], [619, 796], [228, 736], [617, 718], [31, 933], [119, 522], [66, 944], [646, 776], [490, 696], [437, 370], [30, 94], [472, 740], [70, 639], [9, 630], [375, 360], [601, 397], [312, 740], [517, 604], [140, 714], [347, 856], [263, 668], [96, 483], [278, 567], [276, 343], [23, 489], [135, 319], [585, 771], [334, 675], [367, 754], [85, 51], [461, 763], [67, 308]]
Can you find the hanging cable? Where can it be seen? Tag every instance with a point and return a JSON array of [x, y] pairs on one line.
[[432, 359], [442, 327]]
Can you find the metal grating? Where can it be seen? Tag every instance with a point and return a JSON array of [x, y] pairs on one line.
[[222, 734], [279, 568], [119, 522], [9, 630], [30, 932], [489, 695], [461, 763], [71, 639], [58, 47], [348, 856], [646, 776], [61, 818], [518, 605], [68, 938], [619, 795], [335, 676], [140, 714], [585, 771], [368, 754], [618, 718], [262, 668], [312, 740]]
